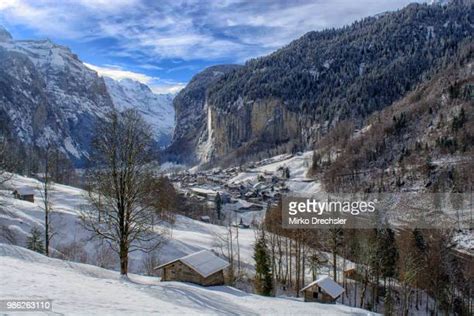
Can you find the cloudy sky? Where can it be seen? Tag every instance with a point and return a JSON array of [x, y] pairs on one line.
[[164, 43]]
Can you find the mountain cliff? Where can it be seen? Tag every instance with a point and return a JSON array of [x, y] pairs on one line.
[[288, 100], [190, 136], [156, 109], [50, 99]]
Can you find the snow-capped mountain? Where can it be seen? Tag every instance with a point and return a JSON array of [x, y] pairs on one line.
[[157, 109], [48, 97]]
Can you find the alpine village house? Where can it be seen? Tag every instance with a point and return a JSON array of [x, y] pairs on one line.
[[323, 290], [202, 267]]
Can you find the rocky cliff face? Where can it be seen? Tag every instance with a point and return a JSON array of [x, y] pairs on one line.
[[156, 109], [287, 100], [190, 136], [48, 97]]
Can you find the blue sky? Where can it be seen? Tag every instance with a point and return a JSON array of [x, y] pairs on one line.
[[164, 43]]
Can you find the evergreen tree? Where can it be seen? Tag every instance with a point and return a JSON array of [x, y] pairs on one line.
[[263, 273], [218, 203], [420, 242], [389, 252], [34, 242]]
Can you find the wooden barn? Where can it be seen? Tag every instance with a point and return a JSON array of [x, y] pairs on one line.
[[323, 290], [202, 267], [25, 194]]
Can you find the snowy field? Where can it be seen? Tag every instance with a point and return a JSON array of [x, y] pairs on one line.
[[77, 288], [184, 237], [81, 289]]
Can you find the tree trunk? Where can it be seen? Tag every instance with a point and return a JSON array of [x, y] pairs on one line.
[[46, 205], [123, 261], [290, 282], [46, 232], [297, 268]]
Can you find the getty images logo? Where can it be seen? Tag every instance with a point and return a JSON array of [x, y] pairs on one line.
[[320, 207]]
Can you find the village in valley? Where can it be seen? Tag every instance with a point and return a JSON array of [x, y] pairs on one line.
[[243, 193], [234, 201], [216, 250], [220, 240]]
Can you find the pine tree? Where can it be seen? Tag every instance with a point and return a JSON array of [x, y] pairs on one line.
[[389, 252], [218, 203], [263, 273], [34, 242]]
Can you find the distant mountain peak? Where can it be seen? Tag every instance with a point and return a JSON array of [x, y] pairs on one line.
[[5, 36], [157, 109]]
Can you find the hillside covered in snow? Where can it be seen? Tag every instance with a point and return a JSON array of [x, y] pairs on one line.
[[80, 286], [78, 289]]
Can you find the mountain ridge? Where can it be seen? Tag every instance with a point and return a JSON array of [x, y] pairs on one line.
[[286, 101], [50, 99], [156, 109]]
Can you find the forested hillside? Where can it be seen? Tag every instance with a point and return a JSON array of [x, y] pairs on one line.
[[286, 101], [424, 141]]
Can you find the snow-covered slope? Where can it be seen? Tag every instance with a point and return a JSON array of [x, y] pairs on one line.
[[157, 109], [18, 217], [80, 289]]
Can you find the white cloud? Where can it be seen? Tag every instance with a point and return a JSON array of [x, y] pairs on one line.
[[156, 84], [209, 30], [168, 88], [118, 73], [108, 5]]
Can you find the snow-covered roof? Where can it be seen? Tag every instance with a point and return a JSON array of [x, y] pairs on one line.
[[24, 191], [204, 262], [328, 285]]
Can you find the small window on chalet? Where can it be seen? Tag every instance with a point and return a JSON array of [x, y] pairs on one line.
[[315, 294]]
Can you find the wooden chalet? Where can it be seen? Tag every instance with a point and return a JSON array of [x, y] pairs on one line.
[[323, 290], [25, 194], [202, 267]]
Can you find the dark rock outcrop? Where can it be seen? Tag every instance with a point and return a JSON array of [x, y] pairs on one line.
[[191, 114]]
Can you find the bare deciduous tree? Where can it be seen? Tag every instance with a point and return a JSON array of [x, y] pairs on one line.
[[229, 247], [45, 192], [119, 187], [149, 263]]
